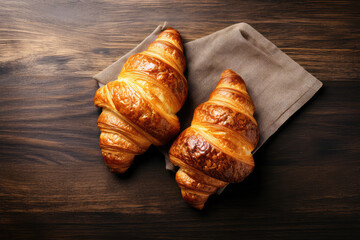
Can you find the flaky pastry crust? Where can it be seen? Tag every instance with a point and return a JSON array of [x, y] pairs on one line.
[[139, 107], [217, 148]]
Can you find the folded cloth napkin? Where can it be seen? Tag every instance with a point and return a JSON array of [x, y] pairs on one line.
[[277, 85]]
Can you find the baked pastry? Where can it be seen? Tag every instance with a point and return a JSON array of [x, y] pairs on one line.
[[216, 149], [139, 107]]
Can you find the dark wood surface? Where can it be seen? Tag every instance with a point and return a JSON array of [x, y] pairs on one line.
[[53, 183]]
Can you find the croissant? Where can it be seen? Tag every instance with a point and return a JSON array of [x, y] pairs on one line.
[[216, 149], [139, 107]]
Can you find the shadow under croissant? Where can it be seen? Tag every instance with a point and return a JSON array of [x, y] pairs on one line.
[[243, 193], [130, 171], [138, 161]]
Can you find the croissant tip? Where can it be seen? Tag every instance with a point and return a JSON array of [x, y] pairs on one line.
[[198, 207], [193, 199], [229, 72], [118, 170], [171, 29]]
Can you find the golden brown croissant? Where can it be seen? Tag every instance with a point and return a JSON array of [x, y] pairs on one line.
[[139, 107], [216, 149]]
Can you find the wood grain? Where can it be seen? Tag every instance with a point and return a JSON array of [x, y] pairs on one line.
[[54, 184]]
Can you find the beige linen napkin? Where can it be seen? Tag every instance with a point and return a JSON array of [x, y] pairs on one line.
[[276, 83]]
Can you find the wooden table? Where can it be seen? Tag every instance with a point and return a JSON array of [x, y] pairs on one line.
[[53, 183]]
